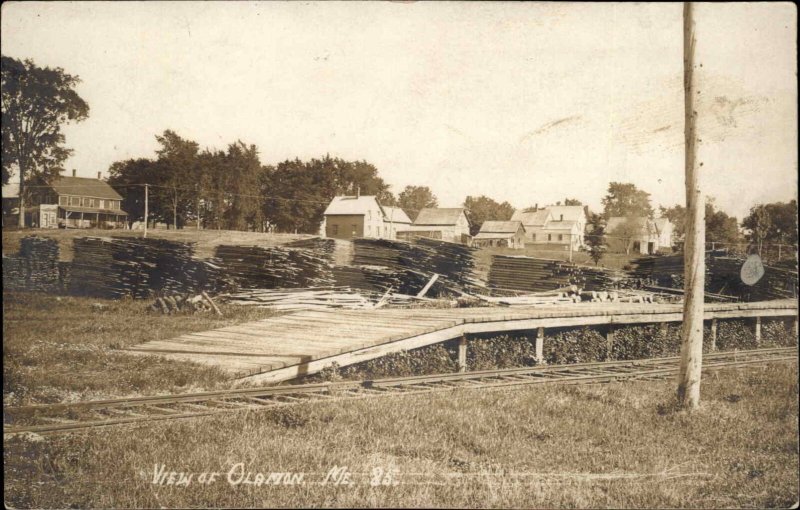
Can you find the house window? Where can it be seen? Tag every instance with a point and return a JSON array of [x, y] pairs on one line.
[[560, 237], [76, 201], [102, 204], [369, 230], [549, 237], [533, 237], [561, 218], [335, 230], [63, 200], [369, 215], [355, 229]]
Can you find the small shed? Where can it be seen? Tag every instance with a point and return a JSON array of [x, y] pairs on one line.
[[506, 234]]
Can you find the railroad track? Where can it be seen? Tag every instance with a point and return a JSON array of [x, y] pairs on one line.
[[59, 418]]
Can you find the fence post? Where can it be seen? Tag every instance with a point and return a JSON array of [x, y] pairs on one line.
[[540, 345], [462, 354], [758, 330], [609, 341], [713, 335]]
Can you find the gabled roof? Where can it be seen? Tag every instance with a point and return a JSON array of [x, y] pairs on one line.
[[439, 216], [84, 187], [395, 215], [644, 225], [501, 227], [352, 205], [570, 212], [662, 224], [533, 218]]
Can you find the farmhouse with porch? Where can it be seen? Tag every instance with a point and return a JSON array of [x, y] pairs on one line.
[[559, 225], [75, 202], [447, 224]]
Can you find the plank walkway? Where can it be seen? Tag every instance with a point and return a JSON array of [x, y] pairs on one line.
[[284, 347]]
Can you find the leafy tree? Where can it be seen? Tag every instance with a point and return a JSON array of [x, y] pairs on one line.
[[624, 199], [36, 102], [179, 170], [297, 193], [128, 178], [572, 201], [242, 170], [720, 228], [759, 222], [625, 232], [483, 208], [596, 239], [415, 198], [784, 222]]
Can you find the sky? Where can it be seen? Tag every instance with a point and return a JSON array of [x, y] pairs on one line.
[[528, 103]]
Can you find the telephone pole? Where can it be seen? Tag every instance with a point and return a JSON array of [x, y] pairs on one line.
[[146, 215], [694, 261]]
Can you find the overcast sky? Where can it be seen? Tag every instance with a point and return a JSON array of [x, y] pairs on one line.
[[529, 103]]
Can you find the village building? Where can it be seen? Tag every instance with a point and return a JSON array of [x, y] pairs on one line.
[[506, 234], [349, 217], [70, 202], [559, 225], [638, 234], [447, 224], [394, 220]]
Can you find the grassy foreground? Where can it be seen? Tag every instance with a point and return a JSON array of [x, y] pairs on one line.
[[617, 445], [61, 349]]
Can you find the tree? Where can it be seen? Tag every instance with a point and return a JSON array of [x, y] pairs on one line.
[[36, 102], [572, 201], [128, 178], [624, 199], [242, 174], [483, 208], [415, 198], [179, 170], [720, 228], [625, 232], [596, 239]]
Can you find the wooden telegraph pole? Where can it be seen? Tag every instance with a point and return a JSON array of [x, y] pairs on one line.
[[694, 261]]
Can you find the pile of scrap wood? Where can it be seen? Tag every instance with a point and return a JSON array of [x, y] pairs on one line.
[[184, 303], [298, 299], [35, 267], [122, 266], [255, 267]]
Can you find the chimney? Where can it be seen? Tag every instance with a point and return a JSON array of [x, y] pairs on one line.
[[73, 172], [98, 175], [536, 207], [358, 191]]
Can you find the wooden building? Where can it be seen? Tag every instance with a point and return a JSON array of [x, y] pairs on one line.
[[348, 217], [75, 202], [638, 234], [558, 225], [506, 234], [451, 222]]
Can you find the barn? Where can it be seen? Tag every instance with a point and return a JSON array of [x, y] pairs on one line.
[[506, 234]]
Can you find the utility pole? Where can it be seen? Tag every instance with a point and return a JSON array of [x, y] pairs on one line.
[[146, 215], [197, 193], [694, 251], [570, 247]]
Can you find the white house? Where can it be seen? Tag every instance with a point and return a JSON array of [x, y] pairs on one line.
[[554, 225], [348, 217], [449, 224]]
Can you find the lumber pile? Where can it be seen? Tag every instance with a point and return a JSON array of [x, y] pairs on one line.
[[255, 267], [116, 267], [381, 279], [322, 247], [182, 303], [531, 274], [410, 265], [298, 299], [35, 267]]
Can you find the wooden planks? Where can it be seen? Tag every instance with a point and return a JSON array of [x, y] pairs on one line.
[[281, 348]]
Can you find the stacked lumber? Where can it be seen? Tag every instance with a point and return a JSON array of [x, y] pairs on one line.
[[531, 274], [35, 268], [116, 267], [299, 299], [414, 263], [255, 267], [322, 247], [381, 279]]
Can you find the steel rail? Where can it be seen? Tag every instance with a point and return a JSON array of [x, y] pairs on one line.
[[91, 414]]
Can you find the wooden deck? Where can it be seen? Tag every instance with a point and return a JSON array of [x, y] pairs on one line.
[[282, 348]]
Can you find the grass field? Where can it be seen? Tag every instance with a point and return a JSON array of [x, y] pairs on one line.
[[619, 445], [58, 349], [206, 240]]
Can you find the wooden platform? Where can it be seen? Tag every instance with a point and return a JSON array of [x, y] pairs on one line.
[[282, 348]]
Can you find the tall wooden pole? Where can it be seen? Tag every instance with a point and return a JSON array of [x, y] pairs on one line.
[[146, 215], [694, 250]]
